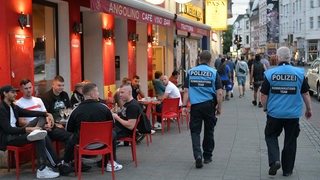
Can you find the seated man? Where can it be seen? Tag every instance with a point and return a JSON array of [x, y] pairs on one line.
[[89, 110], [171, 91], [126, 119], [77, 96], [12, 134], [136, 88]]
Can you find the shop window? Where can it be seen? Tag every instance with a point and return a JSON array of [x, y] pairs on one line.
[[44, 16]]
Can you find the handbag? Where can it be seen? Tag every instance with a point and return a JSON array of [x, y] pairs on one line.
[[229, 87]]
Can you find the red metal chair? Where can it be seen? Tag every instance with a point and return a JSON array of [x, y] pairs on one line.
[[148, 112], [170, 110], [132, 140], [94, 132], [16, 150]]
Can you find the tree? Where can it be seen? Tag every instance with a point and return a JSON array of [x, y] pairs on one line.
[[227, 39]]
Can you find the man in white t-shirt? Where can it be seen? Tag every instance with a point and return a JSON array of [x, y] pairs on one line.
[[27, 101], [171, 91]]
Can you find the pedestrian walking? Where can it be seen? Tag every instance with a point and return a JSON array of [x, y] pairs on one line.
[[203, 88], [283, 92], [242, 71], [256, 79]]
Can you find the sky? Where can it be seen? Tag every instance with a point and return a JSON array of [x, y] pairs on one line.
[[238, 7]]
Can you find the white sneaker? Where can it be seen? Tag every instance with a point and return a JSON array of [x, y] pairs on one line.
[[116, 166], [157, 126], [152, 131], [46, 173], [36, 135]]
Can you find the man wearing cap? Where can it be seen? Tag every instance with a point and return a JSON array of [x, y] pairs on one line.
[[265, 60], [77, 96], [12, 134]]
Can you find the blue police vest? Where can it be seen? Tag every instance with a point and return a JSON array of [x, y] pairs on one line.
[[201, 84], [285, 99]]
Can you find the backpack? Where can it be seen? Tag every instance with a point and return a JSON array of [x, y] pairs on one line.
[[258, 71], [144, 125]]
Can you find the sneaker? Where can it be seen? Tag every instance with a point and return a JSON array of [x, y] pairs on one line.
[[227, 98], [254, 103], [157, 126], [46, 173], [260, 105], [116, 166], [274, 168], [207, 161], [36, 135], [140, 137], [240, 96], [65, 169], [152, 131], [231, 95], [199, 162]]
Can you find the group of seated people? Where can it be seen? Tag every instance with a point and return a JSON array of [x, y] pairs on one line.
[[33, 120]]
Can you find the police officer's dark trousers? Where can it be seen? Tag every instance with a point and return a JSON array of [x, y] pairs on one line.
[[273, 130], [204, 111]]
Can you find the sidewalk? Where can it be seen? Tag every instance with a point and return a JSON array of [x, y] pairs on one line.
[[240, 152]]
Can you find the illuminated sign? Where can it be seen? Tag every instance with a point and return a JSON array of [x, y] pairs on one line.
[[129, 12], [190, 11], [216, 14]]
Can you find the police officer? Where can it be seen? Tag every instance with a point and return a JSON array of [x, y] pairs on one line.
[[203, 87], [283, 90]]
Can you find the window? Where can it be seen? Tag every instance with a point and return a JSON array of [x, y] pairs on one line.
[[247, 24], [311, 4], [311, 22], [44, 29], [319, 22], [300, 25], [247, 39]]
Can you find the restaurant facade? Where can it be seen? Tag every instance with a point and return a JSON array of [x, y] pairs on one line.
[[97, 40]]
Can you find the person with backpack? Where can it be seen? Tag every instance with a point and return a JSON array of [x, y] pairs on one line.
[[256, 79], [232, 67], [242, 71], [224, 72]]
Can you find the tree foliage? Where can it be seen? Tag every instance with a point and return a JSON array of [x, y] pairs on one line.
[[227, 39]]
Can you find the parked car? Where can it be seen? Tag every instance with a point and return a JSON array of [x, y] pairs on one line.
[[313, 78]]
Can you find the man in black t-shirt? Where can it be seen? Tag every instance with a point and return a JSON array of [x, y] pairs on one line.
[[136, 88], [126, 119]]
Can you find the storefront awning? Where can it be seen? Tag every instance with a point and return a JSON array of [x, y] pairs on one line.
[[135, 10], [191, 26]]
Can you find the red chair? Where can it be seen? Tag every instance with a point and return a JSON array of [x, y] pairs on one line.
[[16, 150], [187, 115], [148, 112], [132, 140], [94, 132], [170, 110]]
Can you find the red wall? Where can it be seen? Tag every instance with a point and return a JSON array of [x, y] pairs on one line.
[[16, 58], [132, 62], [150, 52], [75, 44], [108, 55]]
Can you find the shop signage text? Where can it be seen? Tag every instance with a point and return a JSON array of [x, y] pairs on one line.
[[192, 29], [129, 12]]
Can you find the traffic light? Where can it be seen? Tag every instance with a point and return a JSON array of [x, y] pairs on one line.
[[239, 46], [236, 40]]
